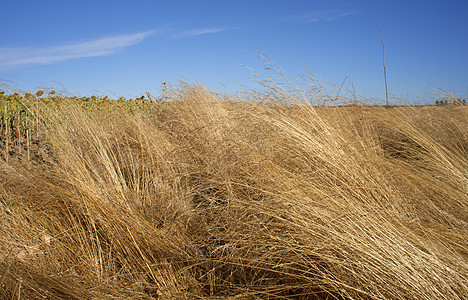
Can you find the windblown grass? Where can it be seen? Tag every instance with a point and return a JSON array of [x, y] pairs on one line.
[[205, 198]]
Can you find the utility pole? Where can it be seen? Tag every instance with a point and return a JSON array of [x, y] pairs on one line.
[[384, 69]]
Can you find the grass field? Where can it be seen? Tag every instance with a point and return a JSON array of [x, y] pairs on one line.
[[210, 197]]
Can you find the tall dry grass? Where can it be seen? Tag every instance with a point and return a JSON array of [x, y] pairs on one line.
[[206, 198]]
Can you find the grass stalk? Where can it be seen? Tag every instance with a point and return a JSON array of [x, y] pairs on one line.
[[7, 139], [28, 144], [204, 197]]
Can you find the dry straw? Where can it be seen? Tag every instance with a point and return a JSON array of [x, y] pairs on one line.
[[207, 198]]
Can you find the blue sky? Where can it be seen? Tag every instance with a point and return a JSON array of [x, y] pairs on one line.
[[125, 48]]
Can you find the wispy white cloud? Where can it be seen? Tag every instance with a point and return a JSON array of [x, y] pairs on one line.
[[14, 57], [195, 32], [325, 15]]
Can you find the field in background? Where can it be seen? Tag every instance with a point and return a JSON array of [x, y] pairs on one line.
[[216, 197]]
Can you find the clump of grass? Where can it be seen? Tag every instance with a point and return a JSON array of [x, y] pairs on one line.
[[204, 197]]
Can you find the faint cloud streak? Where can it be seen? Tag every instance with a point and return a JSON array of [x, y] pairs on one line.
[[325, 15], [15, 57], [195, 32]]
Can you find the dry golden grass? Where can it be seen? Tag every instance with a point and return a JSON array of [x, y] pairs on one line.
[[203, 198]]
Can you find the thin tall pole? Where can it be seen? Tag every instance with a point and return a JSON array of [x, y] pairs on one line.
[[384, 69]]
